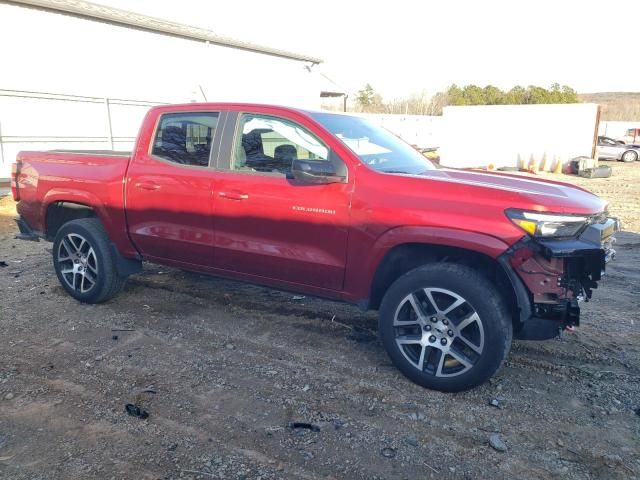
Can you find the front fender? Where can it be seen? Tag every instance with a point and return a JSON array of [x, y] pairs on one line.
[[450, 237], [360, 282]]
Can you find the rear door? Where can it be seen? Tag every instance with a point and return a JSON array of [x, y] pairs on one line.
[[169, 201], [269, 225]]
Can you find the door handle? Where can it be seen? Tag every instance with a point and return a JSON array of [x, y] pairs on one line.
[[233, 195], [147, 185]]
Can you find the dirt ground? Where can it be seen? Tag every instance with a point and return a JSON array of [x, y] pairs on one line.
[[232, 366]]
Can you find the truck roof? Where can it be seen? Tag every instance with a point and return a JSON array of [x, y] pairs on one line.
[[237, 106]]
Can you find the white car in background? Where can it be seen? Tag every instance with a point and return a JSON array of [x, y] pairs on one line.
[[610, 149]]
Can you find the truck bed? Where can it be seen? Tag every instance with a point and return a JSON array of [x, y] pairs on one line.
[[77, 176]]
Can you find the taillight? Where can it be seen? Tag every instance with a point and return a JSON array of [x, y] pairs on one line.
[[15, 171]]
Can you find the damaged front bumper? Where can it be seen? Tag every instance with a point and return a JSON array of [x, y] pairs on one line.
[[557, 275]]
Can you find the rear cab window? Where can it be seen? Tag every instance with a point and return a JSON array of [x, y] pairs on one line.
[[185, 138]]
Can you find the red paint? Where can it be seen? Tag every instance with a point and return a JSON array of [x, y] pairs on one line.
[[276, 231]]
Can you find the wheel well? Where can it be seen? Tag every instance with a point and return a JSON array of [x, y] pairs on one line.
[[59, 213], [403, 258]]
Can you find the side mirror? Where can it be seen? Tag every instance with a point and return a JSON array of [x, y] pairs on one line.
[[316, 171]]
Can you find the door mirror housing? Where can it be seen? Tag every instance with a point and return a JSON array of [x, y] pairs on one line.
[[317, 171]]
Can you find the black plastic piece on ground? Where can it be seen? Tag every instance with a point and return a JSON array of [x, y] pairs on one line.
[[388, 452], [308, 426], [136, 411]]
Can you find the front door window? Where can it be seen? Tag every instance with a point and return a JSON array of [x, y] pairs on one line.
[[269, 145]]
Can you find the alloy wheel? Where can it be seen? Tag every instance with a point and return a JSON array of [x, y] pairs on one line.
[[439, 332], [78, 263]]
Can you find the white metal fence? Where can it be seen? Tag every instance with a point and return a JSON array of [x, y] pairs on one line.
[[46, 121], [49, 121]]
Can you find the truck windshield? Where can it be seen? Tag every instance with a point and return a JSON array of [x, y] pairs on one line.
[[376, 147]]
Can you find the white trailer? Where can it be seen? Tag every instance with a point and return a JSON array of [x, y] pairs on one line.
[[516, 135]]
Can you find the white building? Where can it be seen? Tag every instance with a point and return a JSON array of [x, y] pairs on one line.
[[91, 53]]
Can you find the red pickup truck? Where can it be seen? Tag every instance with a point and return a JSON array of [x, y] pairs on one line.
[[457, 262]]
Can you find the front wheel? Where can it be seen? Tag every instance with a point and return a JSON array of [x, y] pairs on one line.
[[629, 156], [445, 327], [84, 262]]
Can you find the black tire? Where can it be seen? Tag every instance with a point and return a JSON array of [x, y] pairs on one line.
[[442, 281], [629, 156], [106, 281]]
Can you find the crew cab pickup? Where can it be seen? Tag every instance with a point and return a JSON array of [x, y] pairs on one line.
[[457, 262]]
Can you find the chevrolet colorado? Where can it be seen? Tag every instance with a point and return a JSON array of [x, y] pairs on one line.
[[457, 262]]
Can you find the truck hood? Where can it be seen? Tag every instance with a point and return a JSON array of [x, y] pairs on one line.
[[546, 195]]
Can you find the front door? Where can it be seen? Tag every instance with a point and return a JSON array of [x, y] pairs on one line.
[[169, 198], [608, 148], [270, 225]]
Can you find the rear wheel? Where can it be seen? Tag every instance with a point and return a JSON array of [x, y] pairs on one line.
[[445, 327], [629, 156], [84, 262]]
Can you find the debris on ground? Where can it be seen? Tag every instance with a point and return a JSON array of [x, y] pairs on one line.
[[388, 452], [304, 425], [136, 411], [496, 443]]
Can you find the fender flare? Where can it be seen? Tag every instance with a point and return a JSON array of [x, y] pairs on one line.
[[450, 237], [125, 266], [81, 197], [107, 215], [481, 243]]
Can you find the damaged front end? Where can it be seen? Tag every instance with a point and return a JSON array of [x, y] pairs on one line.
[[558, 273]]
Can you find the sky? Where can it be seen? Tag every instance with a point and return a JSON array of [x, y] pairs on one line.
[[403, 47]]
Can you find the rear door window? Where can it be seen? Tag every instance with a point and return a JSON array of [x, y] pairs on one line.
[[185, 138]]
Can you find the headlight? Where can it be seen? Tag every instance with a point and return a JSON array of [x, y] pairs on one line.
[[548, 225]]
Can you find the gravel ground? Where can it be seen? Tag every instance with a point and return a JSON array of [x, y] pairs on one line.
[[225, 369]]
